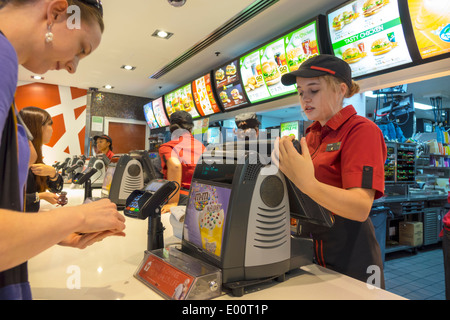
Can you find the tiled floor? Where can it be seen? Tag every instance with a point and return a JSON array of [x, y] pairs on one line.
[[417, 276]]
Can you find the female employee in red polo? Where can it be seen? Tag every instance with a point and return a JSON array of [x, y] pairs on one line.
[[180, 156], [341, 167]]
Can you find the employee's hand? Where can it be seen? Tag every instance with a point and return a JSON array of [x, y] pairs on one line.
[[297, 167], [166, 207], [81, 241], [43, 170], [51, 198], [99, 216]]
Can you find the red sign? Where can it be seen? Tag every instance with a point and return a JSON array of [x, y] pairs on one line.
[[170, 281]]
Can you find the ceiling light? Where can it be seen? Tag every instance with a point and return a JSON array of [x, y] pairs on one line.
[[177, 3], [128, 67], [109, 87], [162, 34], [422, 106], [37, 77]]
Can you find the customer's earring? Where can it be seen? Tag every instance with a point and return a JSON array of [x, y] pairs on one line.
[[49, 34]]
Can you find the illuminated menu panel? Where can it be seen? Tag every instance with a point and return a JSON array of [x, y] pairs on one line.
[[261, 70], [431, 24], [203, 96], [290, 128], [368, 35], [150, 117], [229, 86], [181, 99], [160, 114]]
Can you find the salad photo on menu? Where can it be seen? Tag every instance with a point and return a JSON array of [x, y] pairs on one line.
[[368, 35]]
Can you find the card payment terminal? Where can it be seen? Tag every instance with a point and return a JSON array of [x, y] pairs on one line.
[[147, 202]]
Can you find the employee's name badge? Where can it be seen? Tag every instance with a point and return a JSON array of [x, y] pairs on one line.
[[333, 146]]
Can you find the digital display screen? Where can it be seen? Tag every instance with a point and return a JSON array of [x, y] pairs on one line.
[[229, 86], [200, 126], [261, 70], [206, 214], [204, 97], [290, 128], [213, 135], [181, 99], [150, 117], [154, 186], [368, 35], [160, 114], [223, 173], [431, 24]]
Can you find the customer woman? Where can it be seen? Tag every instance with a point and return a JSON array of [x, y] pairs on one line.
[[341, 167], [41, 177], [35, 34]]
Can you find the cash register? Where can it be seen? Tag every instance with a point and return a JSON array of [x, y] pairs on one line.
[[100, 163], [133, 171], [238, 218]]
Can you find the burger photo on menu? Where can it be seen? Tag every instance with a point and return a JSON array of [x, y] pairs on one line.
[[338, 22], [220, 75], [382, 46], [271, 73], [236, 94], [352, 55], [224, 97], [371, 7], [230, 69], [349, 16]]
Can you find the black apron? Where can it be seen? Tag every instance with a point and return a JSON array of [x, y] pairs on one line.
[[348, 247]]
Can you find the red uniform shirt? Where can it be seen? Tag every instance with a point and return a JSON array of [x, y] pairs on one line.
[[188, 151], [109, 154], [348, 152]]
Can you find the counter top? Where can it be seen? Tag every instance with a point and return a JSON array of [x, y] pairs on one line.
[[392, 199], [105, 271]]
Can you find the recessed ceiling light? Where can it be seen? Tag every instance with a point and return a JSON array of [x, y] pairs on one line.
[[37, 77], [162, 34], [128, 67], [109, 87]]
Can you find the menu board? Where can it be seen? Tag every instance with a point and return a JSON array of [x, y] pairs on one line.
[[200, 126], [229, 86], [368, 34], [261, 70], [431, 24], [149, 116], [181, 99], [203, 96], [160, 114]]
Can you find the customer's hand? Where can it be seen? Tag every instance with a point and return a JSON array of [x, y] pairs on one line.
[[51, 198], [81, 241], [166, 207], [99, 216]]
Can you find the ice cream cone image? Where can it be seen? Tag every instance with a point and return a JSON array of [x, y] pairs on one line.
[[211, 221]]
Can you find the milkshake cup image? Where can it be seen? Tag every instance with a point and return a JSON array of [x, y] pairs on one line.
[[432, 21], [211, 221]]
